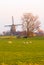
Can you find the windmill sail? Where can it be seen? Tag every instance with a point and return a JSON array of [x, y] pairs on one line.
[[12, 20]]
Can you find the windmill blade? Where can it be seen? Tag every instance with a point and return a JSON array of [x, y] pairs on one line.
[[8, 25], [12, 20], [18, 24], [14, 25]]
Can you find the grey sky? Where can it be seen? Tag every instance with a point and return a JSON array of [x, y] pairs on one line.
[[16, 8]]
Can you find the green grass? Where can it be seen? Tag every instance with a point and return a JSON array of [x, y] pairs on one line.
[[17, 52]]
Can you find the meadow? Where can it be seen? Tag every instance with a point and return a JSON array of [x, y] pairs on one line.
[[22, 51]]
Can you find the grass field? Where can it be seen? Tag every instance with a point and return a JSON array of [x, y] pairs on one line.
[[22, 51]]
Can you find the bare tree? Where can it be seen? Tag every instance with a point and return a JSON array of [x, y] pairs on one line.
[[30, 23]]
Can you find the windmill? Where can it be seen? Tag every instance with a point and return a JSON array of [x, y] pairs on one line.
[[13, 27]]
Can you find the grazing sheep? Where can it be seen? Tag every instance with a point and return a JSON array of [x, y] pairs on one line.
[[30, 42], [10, 42]]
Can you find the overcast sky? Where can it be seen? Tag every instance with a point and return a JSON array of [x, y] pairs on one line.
[[16, 8]]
